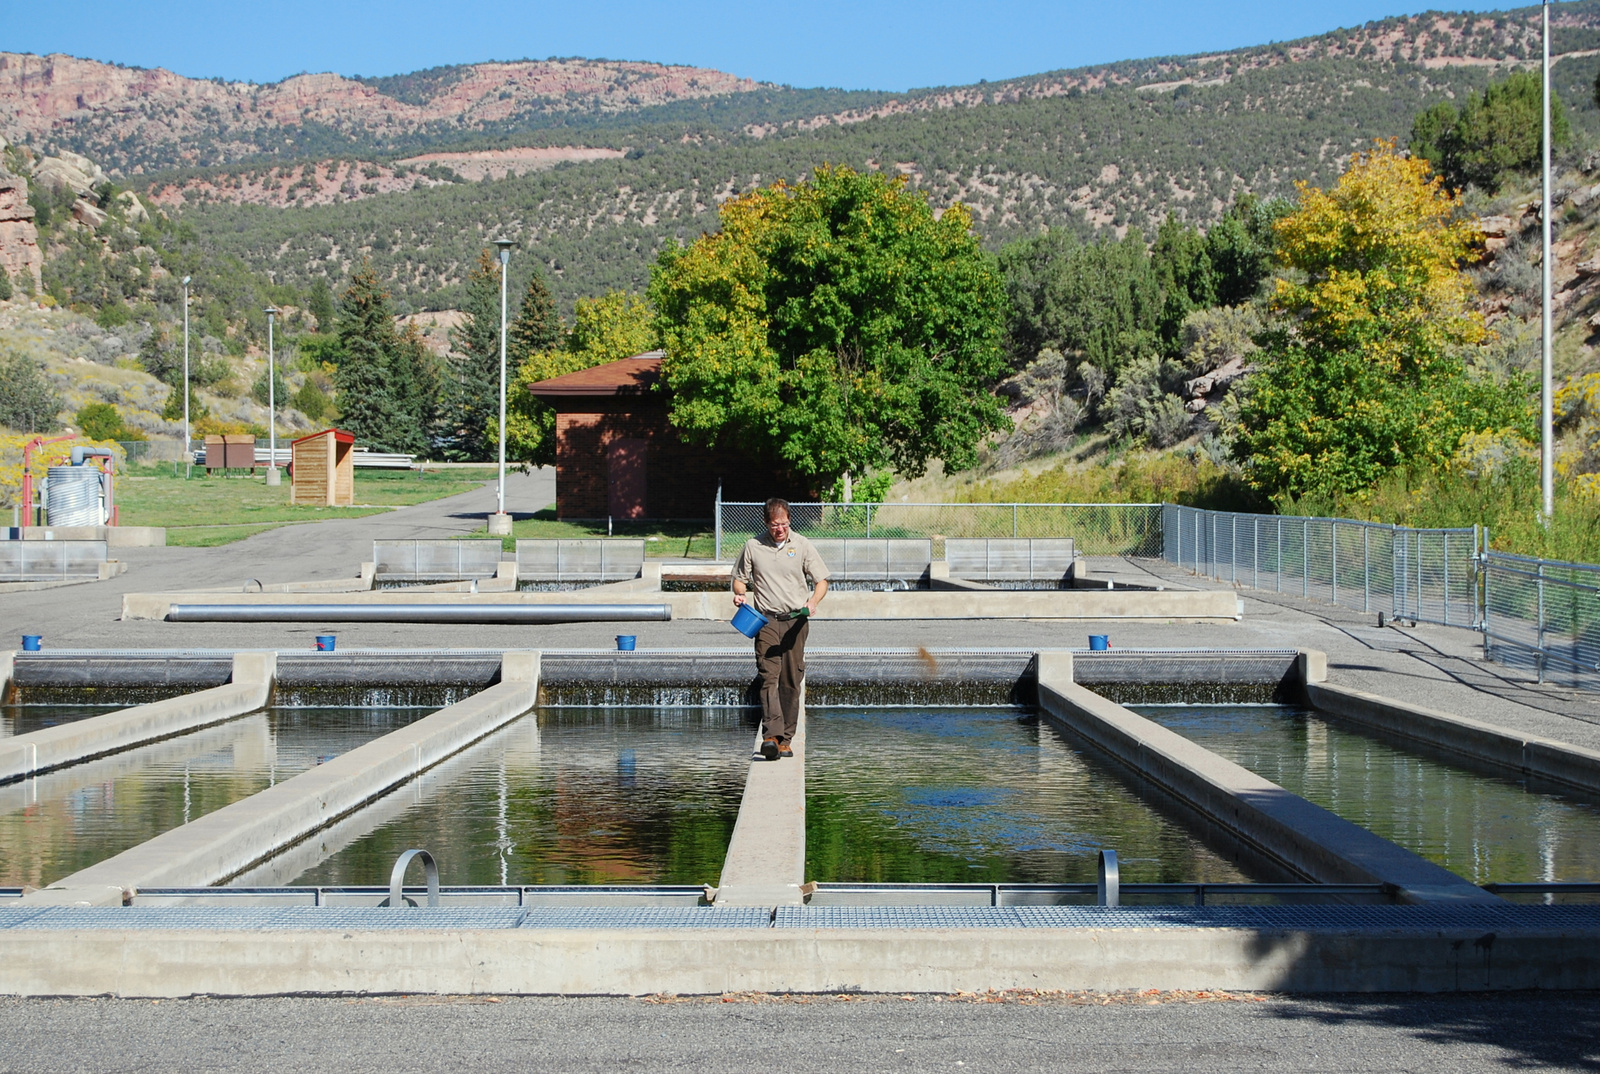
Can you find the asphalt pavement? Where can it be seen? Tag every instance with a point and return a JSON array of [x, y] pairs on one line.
[[1183, 1033]]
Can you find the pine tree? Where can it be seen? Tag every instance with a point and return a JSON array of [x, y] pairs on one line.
[[371, 406], [321, 304], [472, 396], [537, 327], [5, 284]]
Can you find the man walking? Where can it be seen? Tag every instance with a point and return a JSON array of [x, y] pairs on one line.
[[787, 579]]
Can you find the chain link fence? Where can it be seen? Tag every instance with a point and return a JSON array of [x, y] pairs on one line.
[[1098, 529], [1544, 615], [1428, 576]]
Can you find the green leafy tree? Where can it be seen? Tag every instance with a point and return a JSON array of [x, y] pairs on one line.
[[30, 402], [836, 326], [311, 400], [1240, 248], [605, 329], [1183, 269], [158, 358], [172, 409], [1495, 133], [1101, 300], [5, 284], [99, 421], [1364, 373], [472, 378]]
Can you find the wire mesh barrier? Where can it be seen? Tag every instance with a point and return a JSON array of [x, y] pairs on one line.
[[1428, 576], [1544, 615], [1098, 529]]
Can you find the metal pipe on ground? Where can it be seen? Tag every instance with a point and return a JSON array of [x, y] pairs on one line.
[[520, 614]]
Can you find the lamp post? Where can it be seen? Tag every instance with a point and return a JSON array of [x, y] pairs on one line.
[[500, 522], [1547, 447], [187, 454], [273, 477]]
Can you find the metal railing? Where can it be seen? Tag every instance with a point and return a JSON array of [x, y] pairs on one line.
[[1533, 613], [1099, 529], [1425, 575]]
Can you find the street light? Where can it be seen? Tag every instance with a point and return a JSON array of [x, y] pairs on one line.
[[186, 435], [500, 522], [273, 477], [1547, 447]]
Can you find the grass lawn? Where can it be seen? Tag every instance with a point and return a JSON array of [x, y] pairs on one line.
[[692, 540], [202, 511]]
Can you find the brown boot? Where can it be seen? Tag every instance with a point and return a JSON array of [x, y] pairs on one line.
[[770, 749], [785, 749]]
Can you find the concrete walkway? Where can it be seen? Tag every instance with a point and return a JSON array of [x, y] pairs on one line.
[[766, 860]]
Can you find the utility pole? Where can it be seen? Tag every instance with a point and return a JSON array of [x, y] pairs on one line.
[[500, 522], [1547, 447]]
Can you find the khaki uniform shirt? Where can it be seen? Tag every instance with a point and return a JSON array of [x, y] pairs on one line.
[[777, 575]]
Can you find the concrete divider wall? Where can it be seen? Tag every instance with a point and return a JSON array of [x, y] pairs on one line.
[[53, 747], [223, 843], [1305, 838], [167, 962], [766, 860], [1522, 755]]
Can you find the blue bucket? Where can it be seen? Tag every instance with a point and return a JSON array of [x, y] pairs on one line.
[[325, 643], [1099, 642], [748, 621], [626, 642], [32, 643]]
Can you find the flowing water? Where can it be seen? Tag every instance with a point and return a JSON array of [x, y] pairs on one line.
[[1482, 827], [567, 795], [62, 821], [990, 795]]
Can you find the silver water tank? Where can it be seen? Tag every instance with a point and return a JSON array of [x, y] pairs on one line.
[[73, 496]]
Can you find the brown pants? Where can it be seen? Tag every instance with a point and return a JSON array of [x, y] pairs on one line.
[[781, 662]]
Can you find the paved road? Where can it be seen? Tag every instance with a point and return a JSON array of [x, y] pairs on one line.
[[1180, 1035]]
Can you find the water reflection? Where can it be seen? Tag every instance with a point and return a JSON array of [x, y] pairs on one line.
[[25, 719], [1482, 827], [986, 795], [66, 820], [604, 795]]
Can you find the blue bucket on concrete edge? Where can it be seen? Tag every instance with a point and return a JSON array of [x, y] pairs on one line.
[[748, 621], [32, 643], [626, 642], [1099, 642], [325, 643]]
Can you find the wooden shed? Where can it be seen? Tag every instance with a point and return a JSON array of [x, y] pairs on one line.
[[322, 469]]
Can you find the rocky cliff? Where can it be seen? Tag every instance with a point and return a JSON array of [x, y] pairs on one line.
[[132, 118], [20, 256]]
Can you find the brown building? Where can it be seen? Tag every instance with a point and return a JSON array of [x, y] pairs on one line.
[[618, 456]]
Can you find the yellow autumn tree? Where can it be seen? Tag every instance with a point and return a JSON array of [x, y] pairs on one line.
[[1364, 369]]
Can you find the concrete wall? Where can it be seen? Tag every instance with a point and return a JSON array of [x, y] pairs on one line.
[[230, 840], [1307, 839], [53, 747], [689, 961], [1521, 755]]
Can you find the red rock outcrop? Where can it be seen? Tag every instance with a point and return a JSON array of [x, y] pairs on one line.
[[106, 108], [19, 239]]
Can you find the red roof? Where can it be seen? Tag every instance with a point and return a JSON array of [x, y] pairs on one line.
[[630, 376], [338, 434]]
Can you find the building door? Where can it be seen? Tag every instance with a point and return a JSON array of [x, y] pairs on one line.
[[625, 478]]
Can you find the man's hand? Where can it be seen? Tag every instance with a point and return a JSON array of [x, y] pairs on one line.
[[738, 599]]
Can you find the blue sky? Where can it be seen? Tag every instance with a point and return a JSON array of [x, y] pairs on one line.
[[866, 44]]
